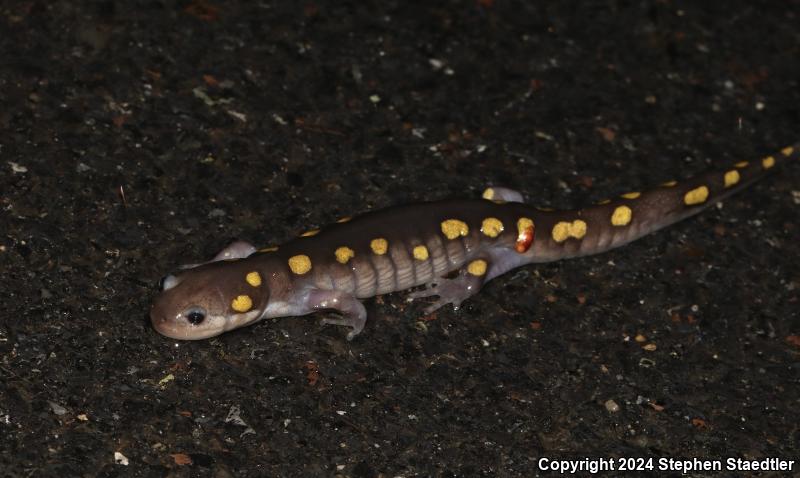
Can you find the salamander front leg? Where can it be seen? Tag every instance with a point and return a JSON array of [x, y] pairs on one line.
[[456, 290], [234, 250], [353, 311]]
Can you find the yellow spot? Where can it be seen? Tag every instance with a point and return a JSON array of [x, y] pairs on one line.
[[604, 202], [741, 164], [523, 226], [253, 278], [477, 267], [379, 246], [768, 162], [564, 230], [491, 226], [310, 233], [787, 151], [242, 303], [669, 184], [731, 178], [300, 264], [632, 195], [452, 228], [344, 219], [621, 216], [269, 249], [344, 254], [488, 193], [696, 196], [420, 253]]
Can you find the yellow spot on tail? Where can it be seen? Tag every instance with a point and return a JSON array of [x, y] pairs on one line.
[[631, 195], [379, 246], [452, 228], [253, 278], [477, 267], [621, 216], [564, 230], [420, 253], [603, 202], [696, 196], [300, 264], [741, 164], [242, 303], [310, 233], [731, 178], [344, 219], [269, 249], [492, 227], [488, 193], [768, 162], [344, 254], [787, 151], [669, 184]]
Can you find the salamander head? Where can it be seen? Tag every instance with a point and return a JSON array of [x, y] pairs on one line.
[[208, 300]]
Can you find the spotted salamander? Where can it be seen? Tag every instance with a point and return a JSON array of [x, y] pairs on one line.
[[420, 244]]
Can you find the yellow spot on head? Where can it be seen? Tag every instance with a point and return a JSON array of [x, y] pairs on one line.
[[488, 193], [344, 254], [300, 264], [344, 219], [242, 303], [632, 195], [491, 226], [452, 228], [669, 184], [253, 278], [310, 233], [696, 196], [768, 162], [787, 151], [741, 164], [477, 267], [269, 249], [603, 202], [379, 246], [564, 230], [731, 178], [621, 216], [420, 253]]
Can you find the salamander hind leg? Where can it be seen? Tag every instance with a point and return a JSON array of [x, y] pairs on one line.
[[456, 290], [354, 315]]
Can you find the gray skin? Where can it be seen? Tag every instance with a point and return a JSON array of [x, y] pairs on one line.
[[198, 301]]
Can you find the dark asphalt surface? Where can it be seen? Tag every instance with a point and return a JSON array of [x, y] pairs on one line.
[[137, 136]]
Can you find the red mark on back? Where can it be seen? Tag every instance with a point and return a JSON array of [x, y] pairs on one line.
[[524, 240]]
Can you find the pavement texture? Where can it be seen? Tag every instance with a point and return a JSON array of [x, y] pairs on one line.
[[138, 136]]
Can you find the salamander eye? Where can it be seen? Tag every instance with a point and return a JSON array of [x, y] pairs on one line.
[[196, 316]]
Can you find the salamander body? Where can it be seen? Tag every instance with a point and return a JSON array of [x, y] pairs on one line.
[[406, 246]]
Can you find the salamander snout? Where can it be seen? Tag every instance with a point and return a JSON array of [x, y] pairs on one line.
[[206, 301]]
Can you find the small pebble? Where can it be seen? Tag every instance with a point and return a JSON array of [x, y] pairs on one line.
[[612, 406]]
